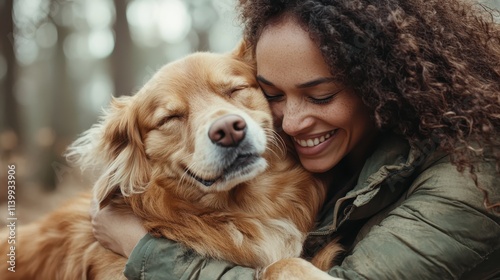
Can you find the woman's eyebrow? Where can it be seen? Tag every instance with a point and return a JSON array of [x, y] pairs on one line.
[[316, 82], [264, 81], [302, 85]]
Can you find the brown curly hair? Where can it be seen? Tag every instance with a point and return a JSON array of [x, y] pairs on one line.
[[428, 69]]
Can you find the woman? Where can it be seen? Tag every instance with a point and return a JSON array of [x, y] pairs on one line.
[[397, 101]]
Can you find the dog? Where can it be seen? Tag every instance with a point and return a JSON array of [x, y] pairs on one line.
[[193, 154]]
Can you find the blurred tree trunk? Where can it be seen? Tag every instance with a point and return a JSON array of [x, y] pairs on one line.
[[204, 40], [64, 93], [62, 111], [122, 59], [9, 109]]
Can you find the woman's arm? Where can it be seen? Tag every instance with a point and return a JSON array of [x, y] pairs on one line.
[[156, 258], [160, 258]]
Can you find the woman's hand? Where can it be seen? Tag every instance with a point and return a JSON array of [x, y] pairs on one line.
[[117, 231]]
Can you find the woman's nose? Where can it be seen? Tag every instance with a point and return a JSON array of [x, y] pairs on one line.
[[294, 118]]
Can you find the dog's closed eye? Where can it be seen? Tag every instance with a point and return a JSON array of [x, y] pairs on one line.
[[169, 118], [235, 89]]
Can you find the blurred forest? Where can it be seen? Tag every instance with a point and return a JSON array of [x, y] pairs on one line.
[[62, 60]]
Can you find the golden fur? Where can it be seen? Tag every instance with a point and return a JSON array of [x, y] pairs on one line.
[[250, 203]]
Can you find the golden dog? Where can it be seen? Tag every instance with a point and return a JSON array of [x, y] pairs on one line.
[[193, 154]]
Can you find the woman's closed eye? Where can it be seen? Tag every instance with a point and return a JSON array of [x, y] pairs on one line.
[[325, 98], [273, 97], [315, 99]]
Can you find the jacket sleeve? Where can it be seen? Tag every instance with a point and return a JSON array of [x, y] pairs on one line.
[[159, 258], [441, 230]]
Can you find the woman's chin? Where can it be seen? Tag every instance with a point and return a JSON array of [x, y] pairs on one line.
[[316, 165]]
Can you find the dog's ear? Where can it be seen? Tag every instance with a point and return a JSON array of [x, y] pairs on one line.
[[244, 51], [114, 150]]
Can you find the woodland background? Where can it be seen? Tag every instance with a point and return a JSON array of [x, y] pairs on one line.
[[62, 60]]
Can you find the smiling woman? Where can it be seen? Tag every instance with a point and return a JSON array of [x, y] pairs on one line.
[[325, 119]]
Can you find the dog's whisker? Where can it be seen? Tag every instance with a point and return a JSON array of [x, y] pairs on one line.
[[276, 153], [276, 144], [183, 178], [189, 168]]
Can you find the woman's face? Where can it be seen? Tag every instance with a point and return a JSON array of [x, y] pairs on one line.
[[326, 120]]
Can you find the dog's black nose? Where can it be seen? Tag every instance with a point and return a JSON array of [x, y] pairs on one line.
[[228, 130]]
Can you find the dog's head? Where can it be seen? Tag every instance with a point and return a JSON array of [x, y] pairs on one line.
[[201, 121]]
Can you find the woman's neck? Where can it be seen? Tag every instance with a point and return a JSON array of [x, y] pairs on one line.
[[356, 159], [349, 168]]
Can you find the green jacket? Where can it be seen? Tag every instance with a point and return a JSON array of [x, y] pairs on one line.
[[420, 219]]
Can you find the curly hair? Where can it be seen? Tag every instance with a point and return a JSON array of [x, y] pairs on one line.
[[428, 69]]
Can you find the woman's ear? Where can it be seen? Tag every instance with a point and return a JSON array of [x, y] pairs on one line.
[[244, 51], [114, 150]]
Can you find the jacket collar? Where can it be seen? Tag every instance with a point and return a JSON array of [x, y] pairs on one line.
[[383, 179]]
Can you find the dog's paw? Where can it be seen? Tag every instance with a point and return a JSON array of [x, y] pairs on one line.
[[294, 269]]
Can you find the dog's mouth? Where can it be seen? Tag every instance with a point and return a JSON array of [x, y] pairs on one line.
[[205, 182], [242, 164]]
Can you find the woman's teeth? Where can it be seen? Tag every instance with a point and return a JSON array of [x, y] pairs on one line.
[[314, 141]]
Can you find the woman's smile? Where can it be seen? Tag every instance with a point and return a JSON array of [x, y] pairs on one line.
[[311, 146], [315, 141]]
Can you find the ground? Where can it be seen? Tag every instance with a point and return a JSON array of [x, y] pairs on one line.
[[32, 200]]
